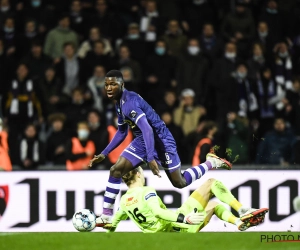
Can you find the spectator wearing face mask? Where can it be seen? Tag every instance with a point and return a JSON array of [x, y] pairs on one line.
[[256, 62], [283, 66], [174, 38], [238, 27], [265, 38], [9, 35], [241, 93], [159, 72], [80, 150], [188, 113], [219, 76], [6, 10], [134, 42], [192, 70], [272, 16]]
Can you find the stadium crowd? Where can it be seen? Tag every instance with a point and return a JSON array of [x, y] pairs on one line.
[[218, 72]]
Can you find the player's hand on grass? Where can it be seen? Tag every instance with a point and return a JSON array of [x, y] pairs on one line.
[[194, 218], [97, 159], [154, 167]]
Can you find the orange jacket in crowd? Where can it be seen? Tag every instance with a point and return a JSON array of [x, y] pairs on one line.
[[5, 163], [77, 148], [114, 155], [197, 152]]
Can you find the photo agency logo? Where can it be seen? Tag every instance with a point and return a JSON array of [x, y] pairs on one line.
[[273, 238]]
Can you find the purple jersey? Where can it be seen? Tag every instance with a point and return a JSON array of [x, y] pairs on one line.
[[153, 139], [132, 107]]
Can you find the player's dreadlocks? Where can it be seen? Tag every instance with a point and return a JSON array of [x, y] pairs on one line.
[[130, 177]]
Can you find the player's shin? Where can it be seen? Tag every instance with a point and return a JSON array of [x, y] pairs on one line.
[[223, 214], [111, 192], [196, 172]]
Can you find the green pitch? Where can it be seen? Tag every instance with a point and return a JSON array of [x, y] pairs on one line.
[[133, 241]]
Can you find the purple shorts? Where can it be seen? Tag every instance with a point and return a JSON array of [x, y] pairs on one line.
[[136, 154]]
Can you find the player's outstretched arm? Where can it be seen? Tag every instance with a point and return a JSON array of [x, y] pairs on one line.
[[115, 142]]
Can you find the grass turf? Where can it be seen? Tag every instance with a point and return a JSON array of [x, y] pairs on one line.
[[133, 241]]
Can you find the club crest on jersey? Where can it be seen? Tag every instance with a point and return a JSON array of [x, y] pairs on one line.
[[149, 195], [132, 114]]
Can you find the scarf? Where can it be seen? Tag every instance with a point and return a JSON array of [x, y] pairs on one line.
[[24, 150], [247, 99], [14, 107], [266, 90]]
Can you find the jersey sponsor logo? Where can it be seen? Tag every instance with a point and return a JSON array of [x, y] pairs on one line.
[[132, 148], [168, 162], [149, 195], [130, 201], [132, 114], [119, 111], [130, 123]]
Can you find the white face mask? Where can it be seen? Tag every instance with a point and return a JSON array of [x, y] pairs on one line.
[[83, 133], [5, 9], [193, 50], [199, 2], [263, 34], [283, 55], [230, 55], [241, 75]]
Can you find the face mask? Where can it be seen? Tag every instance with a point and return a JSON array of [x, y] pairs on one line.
[[83, 133], [199, 2], [133, 36], [36, 3], [193, 50], [272, 11], [263, 34], [94, 125], [5, 9], [9, 30], [283, 55], [160, 51], [258, 58], [1, 128], [241, 75], [230, 55]]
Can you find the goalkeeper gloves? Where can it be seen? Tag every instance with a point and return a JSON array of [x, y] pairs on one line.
[[192, 218]]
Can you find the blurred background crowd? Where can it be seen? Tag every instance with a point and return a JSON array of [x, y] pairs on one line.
[[218, 72]]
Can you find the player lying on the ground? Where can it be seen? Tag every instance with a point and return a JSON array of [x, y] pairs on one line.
[[148, 212], [153, 143]]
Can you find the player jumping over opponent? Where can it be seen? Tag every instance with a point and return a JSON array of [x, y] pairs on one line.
[[142, 205], [153, 144]]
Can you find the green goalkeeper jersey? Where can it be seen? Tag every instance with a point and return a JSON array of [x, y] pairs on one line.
[[148, 212]]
